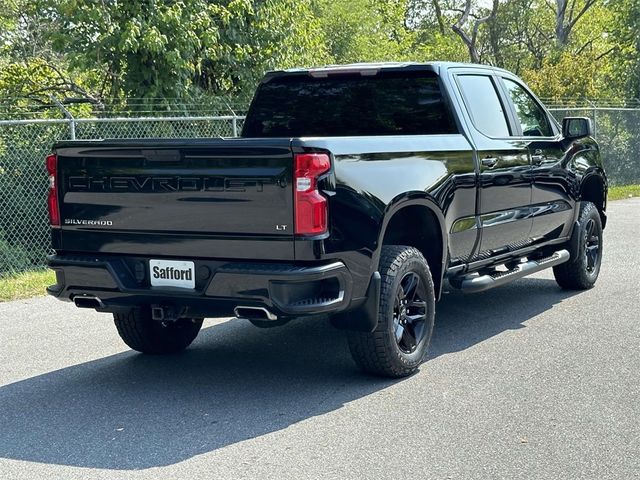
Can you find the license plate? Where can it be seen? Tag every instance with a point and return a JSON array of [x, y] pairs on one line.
[[171, 273]]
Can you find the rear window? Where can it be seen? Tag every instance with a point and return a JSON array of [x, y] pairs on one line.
[[389, 103]]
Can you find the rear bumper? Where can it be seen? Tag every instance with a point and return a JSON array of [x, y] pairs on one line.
[[286, 289]]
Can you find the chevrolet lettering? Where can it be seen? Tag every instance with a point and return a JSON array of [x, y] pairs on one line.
[[166, 184], [362, 193]]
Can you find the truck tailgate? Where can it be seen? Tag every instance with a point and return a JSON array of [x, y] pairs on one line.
[[195, 198]]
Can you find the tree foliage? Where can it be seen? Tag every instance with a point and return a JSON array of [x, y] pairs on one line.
[[626, 32], [365, 30], [87, 53], [164, 48]]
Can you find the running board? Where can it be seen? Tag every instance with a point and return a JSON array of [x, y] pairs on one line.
[[477, 283]]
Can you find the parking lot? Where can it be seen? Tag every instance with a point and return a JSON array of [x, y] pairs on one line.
[[525, 381]]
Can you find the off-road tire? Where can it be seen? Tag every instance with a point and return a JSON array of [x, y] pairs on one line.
[[379, 352], [140, 332], [579, 273]]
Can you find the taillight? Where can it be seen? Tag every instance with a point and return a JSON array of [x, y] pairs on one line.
[[310, 206], [52, 197]]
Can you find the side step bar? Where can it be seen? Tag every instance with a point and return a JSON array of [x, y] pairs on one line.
[[477, 283]]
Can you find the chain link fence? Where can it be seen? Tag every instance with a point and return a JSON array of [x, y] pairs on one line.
[[24, 232]]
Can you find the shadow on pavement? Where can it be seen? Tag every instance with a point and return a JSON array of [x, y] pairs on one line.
[[465, 320], [130, 411]]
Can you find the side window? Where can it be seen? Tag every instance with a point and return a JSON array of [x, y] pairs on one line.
[[484, 105], [531, 116]]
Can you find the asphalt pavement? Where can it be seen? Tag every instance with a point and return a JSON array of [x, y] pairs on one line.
[[523, 382]]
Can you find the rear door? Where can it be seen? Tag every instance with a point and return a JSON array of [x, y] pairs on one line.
[[503, 163], [204, 198]]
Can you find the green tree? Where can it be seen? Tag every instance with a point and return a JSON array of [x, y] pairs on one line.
[[87, 53], [584, 66], [31, 69], [625, 33], [147, 49], [84, 51], [366, 30]]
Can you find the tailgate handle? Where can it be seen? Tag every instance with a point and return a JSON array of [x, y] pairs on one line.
[[164, 156]]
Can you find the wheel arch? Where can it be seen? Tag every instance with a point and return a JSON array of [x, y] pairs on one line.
[[399, 228], [594, 188]]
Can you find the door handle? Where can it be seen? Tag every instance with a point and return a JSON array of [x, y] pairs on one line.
[[489, 162]]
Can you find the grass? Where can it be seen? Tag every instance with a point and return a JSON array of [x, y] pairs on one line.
[[32, 284], [625, 191], [25, 285]]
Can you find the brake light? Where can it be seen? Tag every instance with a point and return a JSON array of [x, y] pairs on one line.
[[310, 206], [52, 197]]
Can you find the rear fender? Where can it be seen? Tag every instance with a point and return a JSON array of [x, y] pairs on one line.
[[407, 200]]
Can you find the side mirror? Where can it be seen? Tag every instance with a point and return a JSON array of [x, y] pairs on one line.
[[577, 127]]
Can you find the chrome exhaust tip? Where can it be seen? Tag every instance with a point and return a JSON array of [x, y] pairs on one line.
[[87, 301], [254, 313]]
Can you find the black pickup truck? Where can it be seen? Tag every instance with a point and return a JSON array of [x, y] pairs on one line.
[[361, 192]]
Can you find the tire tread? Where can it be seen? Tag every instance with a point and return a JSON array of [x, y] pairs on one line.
[[370, 350], [572, 275], [145, 335]]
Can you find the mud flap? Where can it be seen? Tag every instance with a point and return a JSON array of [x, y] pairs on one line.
[[365, 317], [574, 242]]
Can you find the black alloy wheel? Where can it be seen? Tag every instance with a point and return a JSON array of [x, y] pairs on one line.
[[410, 313], [592, 245]]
